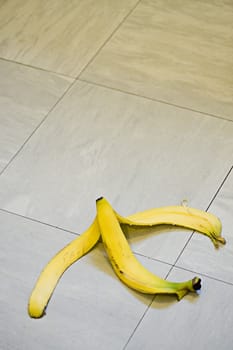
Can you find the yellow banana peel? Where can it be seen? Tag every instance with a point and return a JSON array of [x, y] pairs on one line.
[[106, 225]]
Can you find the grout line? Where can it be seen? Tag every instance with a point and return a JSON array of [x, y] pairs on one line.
[[149, 305], [153, 259], [144, 314], [220, 187], [203, 274], [109, 38], [38, 221], [154, 99], [182, 250], [138, 324], [178, 267], [211, 201], [75, 233], [88, 63], [36, 68], [114, 88], [37, 127]]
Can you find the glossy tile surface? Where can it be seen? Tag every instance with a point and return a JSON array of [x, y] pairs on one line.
[[90, 308], [199, 255], [60, 36], [26, 96], [177, 52], [96, 142], [151, 126], [196, 322]]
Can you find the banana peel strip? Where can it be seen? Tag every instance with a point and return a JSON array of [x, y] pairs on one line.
[[181, 216], [53, 271]]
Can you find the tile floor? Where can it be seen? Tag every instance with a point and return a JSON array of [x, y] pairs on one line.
[[130, 100]]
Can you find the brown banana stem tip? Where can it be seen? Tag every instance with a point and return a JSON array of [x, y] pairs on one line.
[[222, 240], [196, 281]]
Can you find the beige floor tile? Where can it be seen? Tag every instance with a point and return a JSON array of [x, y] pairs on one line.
[[196, 322], [90, 308], [200, 256], [137, 153], [60, 36], [26, 96], [178, 52]]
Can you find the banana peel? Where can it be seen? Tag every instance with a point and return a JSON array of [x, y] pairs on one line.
[[106, 225]]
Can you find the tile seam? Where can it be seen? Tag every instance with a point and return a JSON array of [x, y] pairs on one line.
[[210, 203], [204, 275], [37, 127], [26, 65], [143, 315], [108, 39], [155, 100], [27, 218], [78, 78], [85, 65], [154, 297], [220, 187], [178, 267]]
